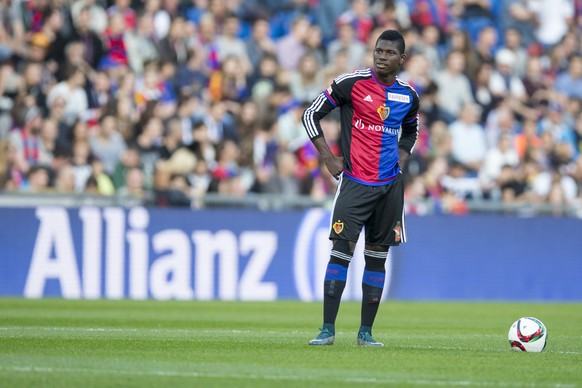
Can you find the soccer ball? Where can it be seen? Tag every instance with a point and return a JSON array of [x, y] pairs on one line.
[[528, 334]]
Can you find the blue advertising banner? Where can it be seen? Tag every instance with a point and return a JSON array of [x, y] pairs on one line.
[[139, 253]]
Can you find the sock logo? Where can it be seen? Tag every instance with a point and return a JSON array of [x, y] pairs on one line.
[[338, 227]]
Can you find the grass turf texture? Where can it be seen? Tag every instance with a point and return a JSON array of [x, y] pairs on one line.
[[61, 343]]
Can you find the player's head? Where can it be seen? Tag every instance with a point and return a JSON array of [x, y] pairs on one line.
[[388, 54], [393, 36]]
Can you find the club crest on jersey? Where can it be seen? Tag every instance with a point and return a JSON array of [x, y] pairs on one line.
[[397, 232], [384, 112], [338, 227]]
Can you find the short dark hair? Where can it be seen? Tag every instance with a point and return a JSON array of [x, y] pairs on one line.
[[394, 36]]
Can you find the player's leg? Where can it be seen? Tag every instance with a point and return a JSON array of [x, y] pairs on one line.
[[372, 288], [348, 217], [334, 284], [384, 228]]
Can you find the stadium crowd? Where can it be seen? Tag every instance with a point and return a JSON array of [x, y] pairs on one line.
[[171, 99]]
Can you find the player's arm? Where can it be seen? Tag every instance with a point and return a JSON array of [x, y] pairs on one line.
[[319, 108], [409, 133]]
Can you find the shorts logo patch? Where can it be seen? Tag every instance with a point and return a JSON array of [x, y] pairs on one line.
[[384, 112], [397, 232], [338, 227]]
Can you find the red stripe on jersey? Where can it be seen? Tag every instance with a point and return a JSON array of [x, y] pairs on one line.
[[366, 142]]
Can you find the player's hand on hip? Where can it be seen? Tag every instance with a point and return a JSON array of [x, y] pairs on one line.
[[335, 166]]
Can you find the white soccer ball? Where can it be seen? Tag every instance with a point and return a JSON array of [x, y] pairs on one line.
[[528, 334]]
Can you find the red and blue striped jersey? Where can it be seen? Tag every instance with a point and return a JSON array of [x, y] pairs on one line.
[[376, 120]]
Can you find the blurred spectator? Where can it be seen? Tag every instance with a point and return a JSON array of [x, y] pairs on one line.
[[229, 44], [481, 90], [149, 145], [259, 43], [553, 123], [436, 13], [513, 42], [515, 14], [172, 139], [202, 145], [103, 185], [453, 85], [283, 180], [307, 81], [290, 131], [555, 188], [552, 19], [115, 48], [123, 8], [65, 180], [527, 142], [96, 14], [81, 160], [474, 15], [469, 144], [500, 121], [88, 35], [141, 43], [569, 83], [134, 184], [460, 183], [327, 13], [485, 47], [38, 179], [107, 144], [496, 158], [72, 91], [174, 46], [26, 142], [229, 82], [417, 72], [291, 47], [358, 15], [504, 82], [347, 40]]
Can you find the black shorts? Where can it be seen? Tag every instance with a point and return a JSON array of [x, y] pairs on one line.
[[379, 209]]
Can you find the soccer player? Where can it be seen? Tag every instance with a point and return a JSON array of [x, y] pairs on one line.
[[379, 127]]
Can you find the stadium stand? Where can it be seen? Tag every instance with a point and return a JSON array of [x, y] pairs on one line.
[[198, 103]]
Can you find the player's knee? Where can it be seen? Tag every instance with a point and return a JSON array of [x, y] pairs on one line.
[[376, 259], [342, 250]]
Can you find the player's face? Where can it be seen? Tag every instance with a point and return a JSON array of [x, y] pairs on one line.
[[387, 58]]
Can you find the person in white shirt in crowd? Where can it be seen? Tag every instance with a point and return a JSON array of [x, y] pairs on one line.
[[71, 89], [468, 139], [504, 154], [504, 81], [454, 85], [552, 19]]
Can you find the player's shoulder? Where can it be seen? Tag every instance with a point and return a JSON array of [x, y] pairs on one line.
[[353, 76], [405, 86]]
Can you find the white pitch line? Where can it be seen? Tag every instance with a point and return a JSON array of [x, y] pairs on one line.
[[36, 330], [223, 375]]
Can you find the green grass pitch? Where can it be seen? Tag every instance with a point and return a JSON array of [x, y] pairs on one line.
[[59, 343]]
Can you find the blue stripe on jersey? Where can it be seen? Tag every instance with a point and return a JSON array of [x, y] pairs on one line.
[[336, 272], [388, 166], [374, 279]]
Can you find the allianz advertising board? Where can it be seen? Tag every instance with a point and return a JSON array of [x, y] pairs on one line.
[[139, 253]]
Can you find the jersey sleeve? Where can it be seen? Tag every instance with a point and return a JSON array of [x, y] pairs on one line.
[[321, 106], [410, 126]]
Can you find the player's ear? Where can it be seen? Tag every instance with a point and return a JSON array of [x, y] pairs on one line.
[[402, 58]]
